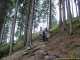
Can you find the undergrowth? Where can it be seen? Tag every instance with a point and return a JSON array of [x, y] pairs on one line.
[[3, 48]]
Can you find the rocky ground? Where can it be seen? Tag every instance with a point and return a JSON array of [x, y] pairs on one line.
[[39, 51]]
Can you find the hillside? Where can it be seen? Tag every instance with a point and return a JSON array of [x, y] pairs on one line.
[[59, 45]]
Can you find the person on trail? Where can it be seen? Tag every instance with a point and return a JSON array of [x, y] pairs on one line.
[[40, 33], [43, 35], [46, 31]]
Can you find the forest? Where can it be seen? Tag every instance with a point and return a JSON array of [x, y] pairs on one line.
[[20, 23]]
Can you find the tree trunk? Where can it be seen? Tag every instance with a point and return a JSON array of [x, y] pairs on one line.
[[79, 9], [29, 37], [76, 7], [60, 15], [72, 9], [3, 5], [26, 22], [64, 19], [71, 25], [1, 37], [49, 14], [13, 29]]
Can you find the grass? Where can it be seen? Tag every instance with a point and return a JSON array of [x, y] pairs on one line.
[[54, 27], [3, 48], [35, 35], [18, 46], [72, 55], [19, 42]]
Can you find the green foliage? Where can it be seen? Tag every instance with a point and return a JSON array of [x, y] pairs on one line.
[[77, 25], [3, 48], [18, 43], [54, 27], [18, 46], [21, 38], [72, 55], [75, 20]]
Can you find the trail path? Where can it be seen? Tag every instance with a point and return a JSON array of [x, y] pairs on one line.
[[38, 51]]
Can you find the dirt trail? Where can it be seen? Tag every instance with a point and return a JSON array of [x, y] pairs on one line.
[[38, 51]]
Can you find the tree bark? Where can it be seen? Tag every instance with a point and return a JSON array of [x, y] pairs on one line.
[[70, 18], [49, 14], [72, 9], [26, 22], [79, 9], [64, 19], [60, 15], [3, 5], [29, 37], [1, 37], [13, 29]]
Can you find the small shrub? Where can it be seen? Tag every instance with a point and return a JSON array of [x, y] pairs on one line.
[[75, 20], [21, 38], [54, 27], [3, 48], [77, 25]]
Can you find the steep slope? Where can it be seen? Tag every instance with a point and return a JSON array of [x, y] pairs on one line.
[[59, 45]]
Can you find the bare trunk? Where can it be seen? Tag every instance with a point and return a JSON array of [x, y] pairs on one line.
[[26, 22], [13, 29], [76, 7], [29, 37], [3, 5], [49, 14], [79, 9], [70, 18], [1, 37], [60, 15], [64, 19], [72, 9]]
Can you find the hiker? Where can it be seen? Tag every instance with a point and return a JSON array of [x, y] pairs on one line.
[[43, 35], [40, 33], [46, 31]]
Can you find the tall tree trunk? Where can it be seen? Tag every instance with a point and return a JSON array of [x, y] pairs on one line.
[[1, 37], [72, 9], [49, 14], [26, 22], [76, 7], [13, 29], [70, 18], [29, 37], [60, 15], [64, 19], [79, 9], [3, 5]]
